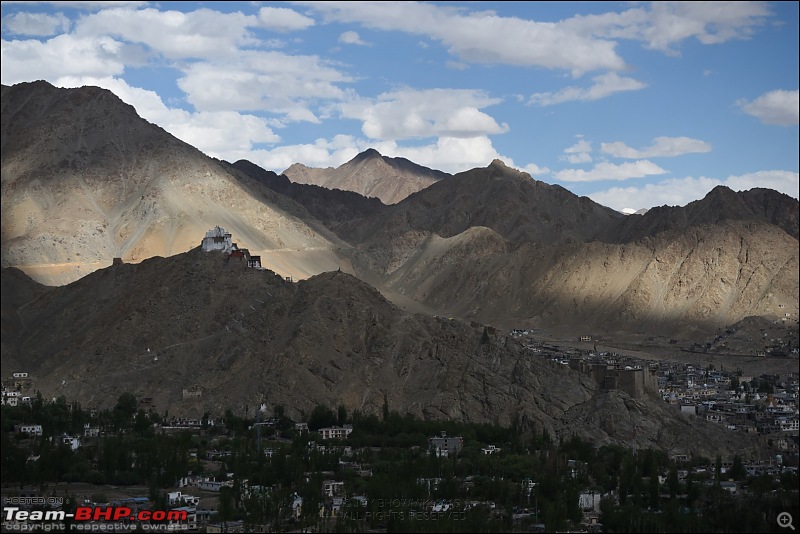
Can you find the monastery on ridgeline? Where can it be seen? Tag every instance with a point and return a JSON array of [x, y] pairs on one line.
[[218, 239]]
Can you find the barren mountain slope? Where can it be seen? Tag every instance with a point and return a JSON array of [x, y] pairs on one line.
[[698, 279], [85, 179], [508, 201], [720, 204], [18, 290], [193, 334], [370, 174], [330, 206]]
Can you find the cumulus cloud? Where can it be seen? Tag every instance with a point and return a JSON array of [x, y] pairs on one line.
[[578, 44], [257, 80], [681, 191], [604, 86], [447, 154], [175, 35], [408, 113], [662, 25], [535, 170], [321, 153], [283, 19], [610, 171], [36, 24], [578, 153], [352, 38], [776, 107], [217, 134], [662, 147], [64, 55], [483, 37]]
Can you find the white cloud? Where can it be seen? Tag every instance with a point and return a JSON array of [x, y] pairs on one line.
[[36, 24], [576, 159], [610, 171], [321, 153], [784, 181], [578, 153], [64, 55], [776, 107], [352, 38], [263, 80], [198, 34], [447, 154], [283, 19], [681, 191], [708, 22], [661, 25], [604, 85], [535, 170], [483, 37], [662, 147], [579, 44], [409, 113], [217, 134]]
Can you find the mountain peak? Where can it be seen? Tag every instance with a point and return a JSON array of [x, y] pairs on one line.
[[720, 190], [369, 153]]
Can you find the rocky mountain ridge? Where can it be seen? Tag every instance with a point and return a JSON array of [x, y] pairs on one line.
[[370, 174], [209, 336]]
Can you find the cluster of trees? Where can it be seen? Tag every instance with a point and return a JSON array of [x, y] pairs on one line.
[[405, 475], [127, 451]]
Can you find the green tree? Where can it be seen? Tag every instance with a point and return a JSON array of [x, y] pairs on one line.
[[122, 414], [738, 471], [321, 417], [226, 509], [341, 415], [672, 482]]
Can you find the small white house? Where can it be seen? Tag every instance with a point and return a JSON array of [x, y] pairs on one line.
[[33, 430], [176, 498], [74, 442], [336, 432]]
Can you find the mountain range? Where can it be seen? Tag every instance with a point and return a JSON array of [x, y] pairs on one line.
[[375, 248]]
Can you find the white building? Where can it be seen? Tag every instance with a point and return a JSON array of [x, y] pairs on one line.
[[33, 430], [73, 441], [332, 488], [217, 239], [336, 432], [177, 498]]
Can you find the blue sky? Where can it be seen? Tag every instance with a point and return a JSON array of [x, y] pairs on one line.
[[632, 104]]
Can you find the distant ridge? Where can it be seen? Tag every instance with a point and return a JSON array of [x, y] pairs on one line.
[[86, 180], [370, 174], [720, 204]]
